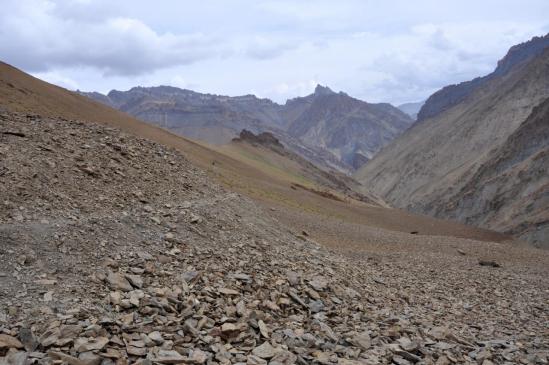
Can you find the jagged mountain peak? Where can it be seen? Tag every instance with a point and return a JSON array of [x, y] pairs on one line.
[[323, 90]]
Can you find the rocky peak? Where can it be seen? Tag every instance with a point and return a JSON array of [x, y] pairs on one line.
[[323, 90]]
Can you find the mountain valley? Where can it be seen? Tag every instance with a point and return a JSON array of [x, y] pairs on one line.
[[164, 226]]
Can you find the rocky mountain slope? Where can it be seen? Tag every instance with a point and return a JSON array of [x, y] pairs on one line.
[[330, 129], [511, 189], [121, 272], [351, 129], [332, 185], [118, 250], [430, 167]]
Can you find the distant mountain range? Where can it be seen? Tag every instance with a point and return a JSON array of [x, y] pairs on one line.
[[478, 152], [332, 130]]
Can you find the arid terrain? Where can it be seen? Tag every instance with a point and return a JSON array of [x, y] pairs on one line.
[[478, 153], [123, 243]]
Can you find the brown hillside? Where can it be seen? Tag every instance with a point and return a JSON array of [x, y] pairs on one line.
[[24, 93]]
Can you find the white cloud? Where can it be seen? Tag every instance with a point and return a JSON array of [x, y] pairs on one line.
[[262, 48], [56, 78], [415, 64], [289, 90], [36, 37], [393, 51]]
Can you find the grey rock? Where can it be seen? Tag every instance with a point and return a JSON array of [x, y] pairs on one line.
[[117, 281], [264, 351], [27, 338]]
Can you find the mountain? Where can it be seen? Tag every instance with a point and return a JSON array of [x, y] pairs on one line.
[[454, 94], [207, 117], [412, 109], [510, 191], [215, 119], [330, 129], [434, 165], [350, 128]]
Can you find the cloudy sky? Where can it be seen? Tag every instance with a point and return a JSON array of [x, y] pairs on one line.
[[394, 50]]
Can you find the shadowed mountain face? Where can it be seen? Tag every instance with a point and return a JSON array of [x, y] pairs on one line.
[[481, 158], [330, 129]]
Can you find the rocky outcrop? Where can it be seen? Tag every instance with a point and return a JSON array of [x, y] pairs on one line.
[[454, 94], [444, 159], [262, 139]]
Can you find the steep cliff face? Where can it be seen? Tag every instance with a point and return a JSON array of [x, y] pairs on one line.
[[439, 163], [454, 94], [510, 191], [328, 128]]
